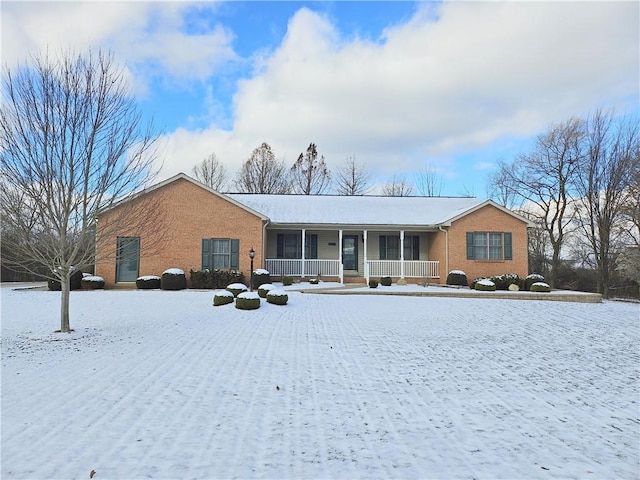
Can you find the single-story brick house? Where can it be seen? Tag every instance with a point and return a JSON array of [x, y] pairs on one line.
[[343, 238]]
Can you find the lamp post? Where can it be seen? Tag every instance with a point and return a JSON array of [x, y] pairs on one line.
[[252, 254]]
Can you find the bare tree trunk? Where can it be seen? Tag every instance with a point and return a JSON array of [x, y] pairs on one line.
[[65, 284]]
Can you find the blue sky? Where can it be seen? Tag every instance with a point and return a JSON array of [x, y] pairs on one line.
[[402, 86]]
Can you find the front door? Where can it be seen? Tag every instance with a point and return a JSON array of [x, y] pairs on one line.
[[127, 259], [350, 252]]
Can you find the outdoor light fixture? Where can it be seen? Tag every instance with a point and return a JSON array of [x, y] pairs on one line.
[[252, 254]]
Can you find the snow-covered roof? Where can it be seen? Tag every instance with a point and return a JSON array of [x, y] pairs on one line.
[[356, 210]]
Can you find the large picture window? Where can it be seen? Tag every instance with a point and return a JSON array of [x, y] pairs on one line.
[[220, 254], [489, 246], [289, 245], [390, 247]]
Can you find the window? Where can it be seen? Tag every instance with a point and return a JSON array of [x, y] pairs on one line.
[[290, 246], [390, 247], [220, 254], [489, 246]]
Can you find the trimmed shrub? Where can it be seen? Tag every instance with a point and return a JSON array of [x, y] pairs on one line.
[[248, 301], [210, 279], [260, 277], [277, 297], [223, 297], [75, 282], [92, 282], [373, 283], [173, 279], [286, 281], [457, 277], [531, 279], [385, 281], [540, 287], [237, 288], [485, 285], [503, 281], [264, 289], [314, 281], [148, 282]]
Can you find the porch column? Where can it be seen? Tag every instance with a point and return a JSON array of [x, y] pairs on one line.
[[366, 264], [340, 256], [401, 253], [304, 234]]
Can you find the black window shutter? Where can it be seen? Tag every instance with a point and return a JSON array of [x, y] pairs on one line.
[[383, 247], [314, 246], [206, 254], [280, 248], [508, 254], [469, 245], [235, 254], [416, 247]]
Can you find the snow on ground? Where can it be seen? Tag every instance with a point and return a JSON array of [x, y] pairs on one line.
[[159, 384]]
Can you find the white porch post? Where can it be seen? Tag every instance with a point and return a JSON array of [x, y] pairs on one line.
[[340, 256], [366, 263], [401, 253], [304, 234]]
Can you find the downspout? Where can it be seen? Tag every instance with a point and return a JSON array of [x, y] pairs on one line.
[[446, 248], [264, 243]]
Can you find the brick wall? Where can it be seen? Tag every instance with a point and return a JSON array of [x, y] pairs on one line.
[[187, 213], [487, 219]]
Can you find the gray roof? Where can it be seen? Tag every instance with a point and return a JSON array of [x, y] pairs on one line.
[[357, 210]]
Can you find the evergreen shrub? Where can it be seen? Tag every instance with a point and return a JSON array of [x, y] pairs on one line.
[[485, 285], [248, 301], [457, 277], [277, 297], [92, 282], [75, 282], [223, 297], [531, 279], [286, 281], [260, 277], [173, 279], [373, 283], [540, 287], [210, 279], [148, 282], [385, 281], [237, 288], [502, 282], [264, 289]]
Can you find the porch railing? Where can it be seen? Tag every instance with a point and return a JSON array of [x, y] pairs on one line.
[[412, 268], [293, 267]]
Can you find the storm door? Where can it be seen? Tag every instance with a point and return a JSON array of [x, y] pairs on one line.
[[350, 252], [127, 259]]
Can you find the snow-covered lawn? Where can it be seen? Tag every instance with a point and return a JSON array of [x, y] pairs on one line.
[[159, 384]]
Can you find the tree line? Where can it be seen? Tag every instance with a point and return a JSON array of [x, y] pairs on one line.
[[580, 185]]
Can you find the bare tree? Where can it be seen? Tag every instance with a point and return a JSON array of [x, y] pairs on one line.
[[72, 143], [611, 149], [429, 182], [398, 186], [544, 177], [262, 173], [352, 178], [310, 175], [211, 172], [499, 189]]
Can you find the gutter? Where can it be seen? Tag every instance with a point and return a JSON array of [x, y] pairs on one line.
[[264, 243]]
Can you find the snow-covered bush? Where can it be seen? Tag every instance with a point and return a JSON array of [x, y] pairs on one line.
[[248, 301], [237, 288], [92, 282], [503, 281], [540, 287], [485, 285], [277, 297], [173, 279], [222, 297], [373, 283], [385, 281], [260, 277], [457, 277], [75, 282], [148, 282], [286, 281], [531, 279], [264, 289]]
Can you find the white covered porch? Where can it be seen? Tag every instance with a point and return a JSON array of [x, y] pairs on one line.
[[347, 253]]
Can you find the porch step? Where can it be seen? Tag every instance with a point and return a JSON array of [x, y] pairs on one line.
[[354, 280]]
